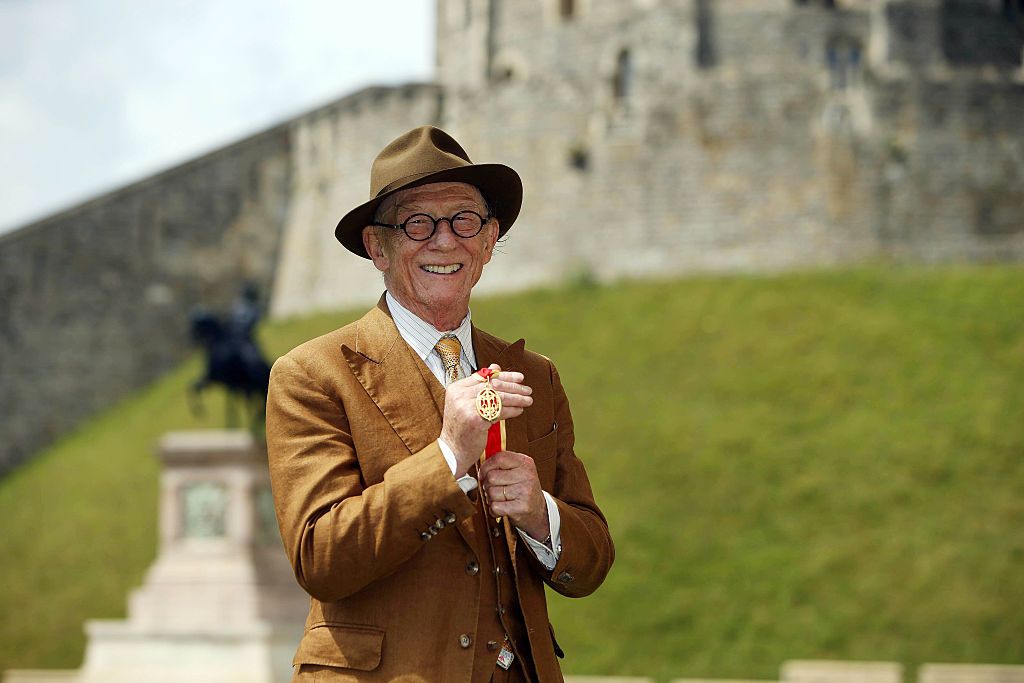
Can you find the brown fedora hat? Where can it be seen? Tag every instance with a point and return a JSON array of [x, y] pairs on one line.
[[429, 155]]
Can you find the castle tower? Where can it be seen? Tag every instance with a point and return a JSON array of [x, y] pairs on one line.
[[465, 48]]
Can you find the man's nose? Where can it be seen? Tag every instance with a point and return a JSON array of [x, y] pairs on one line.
[[444, 233]]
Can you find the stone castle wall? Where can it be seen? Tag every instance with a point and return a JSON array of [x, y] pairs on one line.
[[654, 137], [951, 169], [331, 157], [744, 135], [658, 137], [94, 301], [664, 142]]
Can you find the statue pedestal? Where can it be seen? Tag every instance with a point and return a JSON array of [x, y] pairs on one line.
[[220, 602]]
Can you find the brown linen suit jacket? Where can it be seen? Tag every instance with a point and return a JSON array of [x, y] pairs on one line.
[[353, 419]]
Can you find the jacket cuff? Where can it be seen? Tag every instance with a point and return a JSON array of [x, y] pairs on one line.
[[436, 500]]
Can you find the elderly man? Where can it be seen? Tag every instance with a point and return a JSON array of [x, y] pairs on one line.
[[424, 503]]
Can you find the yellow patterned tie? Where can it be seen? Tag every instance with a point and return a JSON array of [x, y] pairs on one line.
[[450, 350]]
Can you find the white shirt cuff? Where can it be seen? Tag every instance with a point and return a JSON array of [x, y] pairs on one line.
[[465, 482], [548, 556]]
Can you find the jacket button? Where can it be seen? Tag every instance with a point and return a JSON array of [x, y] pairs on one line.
[[465, 641], [472, 568], [424, 536], [450, 518], [565, 577], [492, 645]]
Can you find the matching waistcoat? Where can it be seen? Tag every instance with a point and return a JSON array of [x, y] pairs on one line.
[[499, 614]]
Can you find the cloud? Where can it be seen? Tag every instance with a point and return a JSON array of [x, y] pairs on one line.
[[96, 93]]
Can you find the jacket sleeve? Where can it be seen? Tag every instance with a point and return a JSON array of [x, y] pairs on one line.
[[587, 548], [340, 534]]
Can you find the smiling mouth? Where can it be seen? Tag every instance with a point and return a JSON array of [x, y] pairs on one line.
[[442, 270]]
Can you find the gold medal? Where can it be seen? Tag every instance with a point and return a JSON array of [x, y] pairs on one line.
[[488, 402]]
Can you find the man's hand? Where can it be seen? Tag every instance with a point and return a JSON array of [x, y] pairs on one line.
[[463, 429], [513, 489]]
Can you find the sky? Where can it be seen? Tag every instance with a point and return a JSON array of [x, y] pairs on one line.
[[95, 94]]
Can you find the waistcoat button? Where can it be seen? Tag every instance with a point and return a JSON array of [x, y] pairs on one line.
[[495, 531], [465, 641]]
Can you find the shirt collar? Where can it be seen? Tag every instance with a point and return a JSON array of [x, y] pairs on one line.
[[422, 336]]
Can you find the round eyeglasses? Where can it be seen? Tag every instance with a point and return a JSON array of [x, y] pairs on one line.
[[421, 227]]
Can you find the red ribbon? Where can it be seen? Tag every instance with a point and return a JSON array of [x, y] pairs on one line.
[[493, 440]]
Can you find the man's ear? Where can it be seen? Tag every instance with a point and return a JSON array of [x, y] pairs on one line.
[[375, 248], [492, 239]]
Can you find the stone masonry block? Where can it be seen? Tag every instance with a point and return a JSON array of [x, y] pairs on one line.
[[970, 673], [38, 676], [823, 671]]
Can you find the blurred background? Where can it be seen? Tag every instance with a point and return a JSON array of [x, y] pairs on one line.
[[805, 218]]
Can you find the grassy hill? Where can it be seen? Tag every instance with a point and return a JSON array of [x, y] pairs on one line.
[[819, 465]]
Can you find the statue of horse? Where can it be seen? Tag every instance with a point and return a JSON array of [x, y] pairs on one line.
[[233, 358]]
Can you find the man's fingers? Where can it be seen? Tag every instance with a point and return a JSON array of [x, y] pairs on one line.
[[509, 376], [516, 400], [505, 493], [508, 461], [475, 384], [508, 478], [511, 386], [503, 471], [462, 398], [511, 509], [522, 502]]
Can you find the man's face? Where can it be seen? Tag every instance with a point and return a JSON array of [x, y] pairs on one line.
[[433, 278]]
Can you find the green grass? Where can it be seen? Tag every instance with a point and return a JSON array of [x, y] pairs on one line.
[[816, 465]]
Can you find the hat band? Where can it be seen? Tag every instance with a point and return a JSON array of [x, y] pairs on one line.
[[405, 180]]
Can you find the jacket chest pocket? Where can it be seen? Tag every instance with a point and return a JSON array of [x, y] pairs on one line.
[[544, 451]]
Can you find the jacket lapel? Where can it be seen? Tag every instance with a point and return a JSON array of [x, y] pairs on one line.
[[396, 380]]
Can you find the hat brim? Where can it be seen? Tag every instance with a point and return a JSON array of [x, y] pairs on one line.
[[500, 185]]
